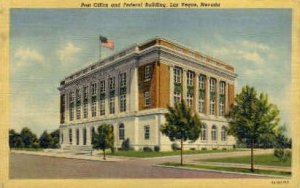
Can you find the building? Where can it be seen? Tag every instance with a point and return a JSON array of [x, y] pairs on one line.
[[132, 88]]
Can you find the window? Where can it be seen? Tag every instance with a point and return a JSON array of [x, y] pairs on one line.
[[201, 97], [147, 98], [121, 131], [111, 83], [84, 136], [204, 133], [102, 97], [93, 99], [71, 104], [70, 136], [62, 108], [94, 110], [214, 133], [177, 75], [147, 72], [212, 96], [77, 136], [222, 99], [102, 86], [122, 80], [85, 102], [147, 132], [190, 78], [93, 89], [92, 134], [78, 104], [122, 103], [202, 82], [177, 98], [112, 105], [123, 88], [224, 134], [102, 107], [189, 101]]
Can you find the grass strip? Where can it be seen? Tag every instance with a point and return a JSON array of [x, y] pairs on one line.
[[229, 169], [264, 159], [144, 154]]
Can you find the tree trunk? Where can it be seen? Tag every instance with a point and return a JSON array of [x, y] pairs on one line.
[[181, 152], [252, 146], [104, 154]]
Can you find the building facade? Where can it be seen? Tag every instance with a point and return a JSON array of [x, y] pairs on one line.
[[132, 89]]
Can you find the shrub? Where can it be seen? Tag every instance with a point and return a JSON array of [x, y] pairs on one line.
[[147, 149], [156, 148], [113, 149], [203, 149], [215, 149], [282, 154], [224, 148], [193, 149], [126, 145], [175, 147]]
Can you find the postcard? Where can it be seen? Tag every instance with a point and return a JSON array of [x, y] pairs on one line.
[[149, 93]]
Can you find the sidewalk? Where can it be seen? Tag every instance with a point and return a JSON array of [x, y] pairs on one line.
[[62, 154]]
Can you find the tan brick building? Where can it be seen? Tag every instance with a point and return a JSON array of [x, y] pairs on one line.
[[132, 88]]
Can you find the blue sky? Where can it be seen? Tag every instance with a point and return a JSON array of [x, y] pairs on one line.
[[49, 44]]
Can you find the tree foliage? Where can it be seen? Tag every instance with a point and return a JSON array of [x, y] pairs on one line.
[[29, 138], [181, 124], [104, 138], [253, 119]]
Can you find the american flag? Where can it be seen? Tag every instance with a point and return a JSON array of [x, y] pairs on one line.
[[107, 43]]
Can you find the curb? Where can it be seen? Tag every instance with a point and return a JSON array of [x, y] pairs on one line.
[[220, 171]]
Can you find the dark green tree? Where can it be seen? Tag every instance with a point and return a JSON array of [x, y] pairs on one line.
[[181, 124], [15, 140], [55, 138], [29, 139], [45, 140], [104, 138], [253, 118]]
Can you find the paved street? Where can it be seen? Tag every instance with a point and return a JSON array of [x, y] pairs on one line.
[[34, 166]]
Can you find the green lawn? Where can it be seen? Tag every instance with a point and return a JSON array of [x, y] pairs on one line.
[[231, 169], [142, 154], [28, 149], [265, 159]]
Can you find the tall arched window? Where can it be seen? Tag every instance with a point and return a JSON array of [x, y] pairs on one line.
[[223, 133], [121, 131], [70, 136], [204, 133], [84, 136], [92, 134], [77, 136], [214, 133]]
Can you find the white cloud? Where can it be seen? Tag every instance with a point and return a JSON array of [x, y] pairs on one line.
[[26, 56], [255, 45], [67, 53], [250, 56]]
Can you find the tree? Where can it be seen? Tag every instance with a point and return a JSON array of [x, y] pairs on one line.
[[55, 138], [104, 138], [15, 140], [181, 124], [29, 138], [253, 118], [45, 140]]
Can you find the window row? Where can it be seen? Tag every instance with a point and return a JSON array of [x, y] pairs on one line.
[[202, 92], [214, 133], [76, 101]]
